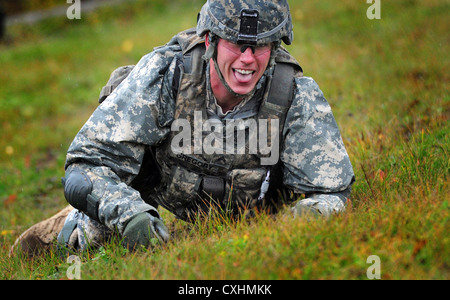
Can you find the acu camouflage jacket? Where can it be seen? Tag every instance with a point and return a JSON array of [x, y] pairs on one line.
[[116, 145]]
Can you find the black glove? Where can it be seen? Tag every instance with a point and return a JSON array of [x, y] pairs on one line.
[[141, 229]]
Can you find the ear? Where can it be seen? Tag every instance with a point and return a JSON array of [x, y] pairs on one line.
[[207, 39]]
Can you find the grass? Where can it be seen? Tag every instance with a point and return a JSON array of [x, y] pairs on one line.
[[387, 81]]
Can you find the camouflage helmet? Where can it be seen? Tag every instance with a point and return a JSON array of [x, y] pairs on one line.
[[254, 22]]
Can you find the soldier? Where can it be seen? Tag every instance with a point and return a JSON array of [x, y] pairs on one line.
[[226, 79]]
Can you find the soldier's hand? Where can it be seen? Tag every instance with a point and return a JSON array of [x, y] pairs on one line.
[[318, 205], [143, 230], [306, 209]]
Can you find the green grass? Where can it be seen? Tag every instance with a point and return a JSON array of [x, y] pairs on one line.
[[387, 81]]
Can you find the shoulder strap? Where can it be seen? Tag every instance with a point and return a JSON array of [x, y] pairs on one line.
[[193, 62], [281, 85], [280, 94], [190, 61], [281, 90], [279, 97]]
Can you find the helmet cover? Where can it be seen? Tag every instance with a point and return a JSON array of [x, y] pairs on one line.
[[257, 22]]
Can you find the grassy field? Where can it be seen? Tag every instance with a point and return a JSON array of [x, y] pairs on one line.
[[386, 80]]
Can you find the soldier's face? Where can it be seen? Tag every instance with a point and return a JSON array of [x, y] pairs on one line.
[[242, 70]]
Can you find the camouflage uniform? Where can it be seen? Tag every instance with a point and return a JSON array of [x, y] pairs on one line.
[[134, 122]]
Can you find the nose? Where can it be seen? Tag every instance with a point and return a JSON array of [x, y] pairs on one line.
[[247, 57]]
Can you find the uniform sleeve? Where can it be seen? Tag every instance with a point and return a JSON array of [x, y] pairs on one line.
[[109, 148], [314, 159]]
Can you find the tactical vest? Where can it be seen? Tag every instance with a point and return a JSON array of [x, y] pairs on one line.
[[235, 180]]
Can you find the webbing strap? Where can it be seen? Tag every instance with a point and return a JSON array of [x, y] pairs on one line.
[[279, 97], [66, 232], [193, 62], [282, 88], [214, 187]]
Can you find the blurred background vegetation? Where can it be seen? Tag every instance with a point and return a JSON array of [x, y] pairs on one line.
[[21, 6], [13, 7], [386, 80]]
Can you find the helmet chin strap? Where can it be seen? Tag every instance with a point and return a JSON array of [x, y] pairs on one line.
[[211, 53], [230, 90]]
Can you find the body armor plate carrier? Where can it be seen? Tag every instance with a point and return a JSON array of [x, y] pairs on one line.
[[193, 180]]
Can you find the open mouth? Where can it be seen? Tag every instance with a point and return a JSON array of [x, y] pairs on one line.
[[243, 76]]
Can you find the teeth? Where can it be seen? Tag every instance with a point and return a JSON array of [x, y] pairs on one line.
[[244, 72]]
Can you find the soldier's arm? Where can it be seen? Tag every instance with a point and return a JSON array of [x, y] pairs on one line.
[[315, 161], [107, 153]]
